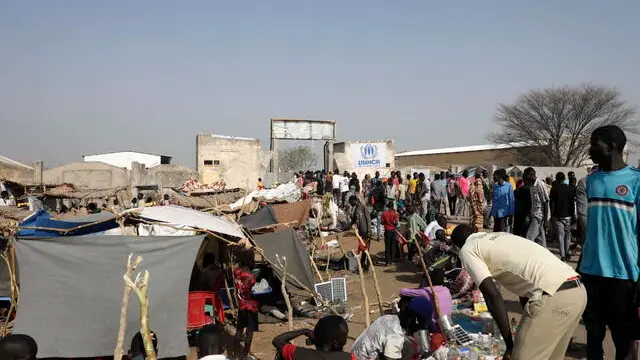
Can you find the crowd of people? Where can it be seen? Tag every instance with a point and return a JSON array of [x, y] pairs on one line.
[[596, 216], [602, 290]]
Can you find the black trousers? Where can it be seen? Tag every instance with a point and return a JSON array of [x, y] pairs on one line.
[[390, 246], [610, 303], [452, 205], [500, 224]]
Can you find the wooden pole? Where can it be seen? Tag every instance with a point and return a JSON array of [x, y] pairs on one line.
[[235, 291], [436, 302], [326, 269], [226, 287], [141, 289], [315, 268], [122, 329], [365, 299], [283, 288], [373, 272]]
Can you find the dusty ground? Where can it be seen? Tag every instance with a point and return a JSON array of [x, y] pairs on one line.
[[391, 279]]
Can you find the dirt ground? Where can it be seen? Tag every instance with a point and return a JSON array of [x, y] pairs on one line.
[[391, 280]]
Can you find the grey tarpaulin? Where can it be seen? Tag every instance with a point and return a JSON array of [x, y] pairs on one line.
[[5, 280], [71, 292], [285, 243], [261, 218]]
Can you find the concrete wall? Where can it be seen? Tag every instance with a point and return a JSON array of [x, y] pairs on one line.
[[19, 175], [237, 161], [89, 175], [162, 176], [344, 155], [97, 175]]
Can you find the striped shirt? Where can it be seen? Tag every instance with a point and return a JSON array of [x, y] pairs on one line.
[[611, 246]]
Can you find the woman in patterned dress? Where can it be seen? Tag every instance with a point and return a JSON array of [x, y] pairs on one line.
[[476, 200]]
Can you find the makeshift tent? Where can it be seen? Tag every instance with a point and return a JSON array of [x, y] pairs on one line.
[[188, 219], [42, 219], [284, 243], [71, 292], [5, 281], [296, 214], [259, 219]]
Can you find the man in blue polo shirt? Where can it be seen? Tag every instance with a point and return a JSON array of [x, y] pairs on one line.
[[609, 265]]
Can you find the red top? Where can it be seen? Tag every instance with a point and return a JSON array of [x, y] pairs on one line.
[[389, 219], [244, 282], [289, 353]]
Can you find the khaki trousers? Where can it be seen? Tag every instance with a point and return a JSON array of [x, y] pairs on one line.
[[547, 325]]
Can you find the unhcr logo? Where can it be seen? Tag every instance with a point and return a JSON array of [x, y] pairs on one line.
[[369, 152]]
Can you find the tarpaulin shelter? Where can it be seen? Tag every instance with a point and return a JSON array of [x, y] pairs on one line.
[[284, 243], [187, 218], [5, 281], [71, 292], [296, 213], [261, 218], [41, 224]]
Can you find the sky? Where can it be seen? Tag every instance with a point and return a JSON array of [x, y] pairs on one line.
[[82, 77]]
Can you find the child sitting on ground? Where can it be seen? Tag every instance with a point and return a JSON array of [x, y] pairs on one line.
[[210, 343], [18, 347]]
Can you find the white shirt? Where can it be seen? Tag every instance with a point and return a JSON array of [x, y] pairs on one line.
[[431, 229], [521, 266], [214, 357], [384, 337], [335, 181], [344, 184]]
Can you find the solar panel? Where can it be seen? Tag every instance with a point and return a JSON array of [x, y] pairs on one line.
[[324, 291], [339, 287]]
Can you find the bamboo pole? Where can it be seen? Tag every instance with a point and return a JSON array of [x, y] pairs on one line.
[[141, 289], [130, 269], [373, 272], [283, 288], [365, 300]]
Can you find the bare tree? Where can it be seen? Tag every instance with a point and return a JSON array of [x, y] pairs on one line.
[[559, 121], [297, 158]]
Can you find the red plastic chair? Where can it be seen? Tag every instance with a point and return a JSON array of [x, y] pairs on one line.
[[196, 317]]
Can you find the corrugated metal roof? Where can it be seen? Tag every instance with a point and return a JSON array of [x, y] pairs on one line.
[[463, 149], [13, 163]]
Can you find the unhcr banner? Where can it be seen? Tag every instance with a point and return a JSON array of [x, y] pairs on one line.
[[369, 155], [71, 292]]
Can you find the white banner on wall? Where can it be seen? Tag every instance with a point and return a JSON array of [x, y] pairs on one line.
[[369, 155]]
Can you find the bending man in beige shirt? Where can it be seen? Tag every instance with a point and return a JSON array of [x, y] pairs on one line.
[[550, 290]]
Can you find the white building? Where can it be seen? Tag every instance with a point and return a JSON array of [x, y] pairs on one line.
[[363, 157], [123, 159]]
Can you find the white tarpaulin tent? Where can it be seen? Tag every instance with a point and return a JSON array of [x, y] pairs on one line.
[[189, 219]]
